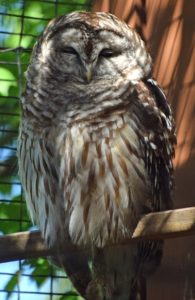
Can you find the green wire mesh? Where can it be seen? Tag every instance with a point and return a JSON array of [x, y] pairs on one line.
[[21, 22]]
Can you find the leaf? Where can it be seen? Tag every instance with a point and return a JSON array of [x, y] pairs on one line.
[[70, 297], [7, 80], [12, 283], [40, 270]]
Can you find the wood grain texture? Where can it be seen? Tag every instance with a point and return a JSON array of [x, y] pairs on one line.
[[162, 225]]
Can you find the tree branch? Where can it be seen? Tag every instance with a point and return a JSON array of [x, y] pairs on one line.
[[161, 225]]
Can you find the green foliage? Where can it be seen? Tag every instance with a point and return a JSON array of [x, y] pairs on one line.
[[21, 22], [11, 284]]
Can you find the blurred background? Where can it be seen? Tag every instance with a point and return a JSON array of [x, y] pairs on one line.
[[168, 28]]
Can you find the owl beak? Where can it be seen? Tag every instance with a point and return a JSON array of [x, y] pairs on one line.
[[88, 72]]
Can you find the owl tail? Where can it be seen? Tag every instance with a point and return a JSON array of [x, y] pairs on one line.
[[138, 289], [77, 269]]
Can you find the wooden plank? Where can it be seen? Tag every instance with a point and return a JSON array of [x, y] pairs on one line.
[[167, 224], [161, 225]]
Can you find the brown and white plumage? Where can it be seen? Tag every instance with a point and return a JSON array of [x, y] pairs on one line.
[[95, 149]]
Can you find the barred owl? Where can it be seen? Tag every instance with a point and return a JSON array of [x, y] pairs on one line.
[[95, 150]]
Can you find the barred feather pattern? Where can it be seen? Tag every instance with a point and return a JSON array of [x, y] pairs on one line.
[[94, 156]]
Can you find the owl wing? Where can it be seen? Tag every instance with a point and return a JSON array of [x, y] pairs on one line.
[[165, 141], [157, 137], [156, 130]]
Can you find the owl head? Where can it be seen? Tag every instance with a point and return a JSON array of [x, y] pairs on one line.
[[82, 64], [91, 46]]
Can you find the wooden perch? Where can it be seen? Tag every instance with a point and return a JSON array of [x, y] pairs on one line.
[[161, 225]]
